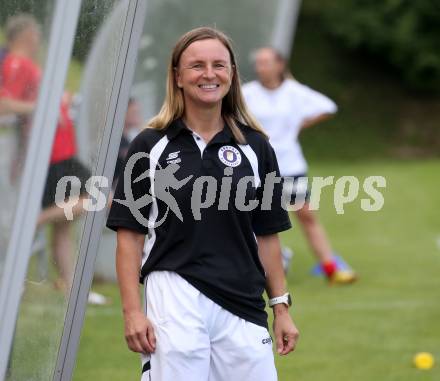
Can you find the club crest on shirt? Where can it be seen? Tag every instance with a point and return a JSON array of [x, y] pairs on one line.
[[229, 156]]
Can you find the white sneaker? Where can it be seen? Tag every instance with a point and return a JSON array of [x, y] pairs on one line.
[[97, 299], [287, 255]]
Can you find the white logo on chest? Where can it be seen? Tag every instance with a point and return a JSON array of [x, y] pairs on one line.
[[173, 158], [229, 156]]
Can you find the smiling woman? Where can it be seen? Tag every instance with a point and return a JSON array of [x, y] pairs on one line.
[[204, 268], [204, 74], [232, 108]]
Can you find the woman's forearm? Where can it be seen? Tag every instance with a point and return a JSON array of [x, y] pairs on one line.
[[128, 262], [14, 106], [310, 122], [269, 251]]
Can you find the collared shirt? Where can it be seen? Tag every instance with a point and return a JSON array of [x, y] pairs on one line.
[[204, 226]]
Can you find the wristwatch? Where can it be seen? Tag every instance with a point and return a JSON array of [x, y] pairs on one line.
[[285, 299]]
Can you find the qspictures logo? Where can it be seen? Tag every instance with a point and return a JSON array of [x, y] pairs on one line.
[[207, 189]]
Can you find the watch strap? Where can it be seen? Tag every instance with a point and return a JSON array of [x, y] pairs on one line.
[[285, 299]]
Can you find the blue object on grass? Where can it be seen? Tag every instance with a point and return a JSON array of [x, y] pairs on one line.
[[340, 265]]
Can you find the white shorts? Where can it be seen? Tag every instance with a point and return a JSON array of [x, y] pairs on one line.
[[197, 340]]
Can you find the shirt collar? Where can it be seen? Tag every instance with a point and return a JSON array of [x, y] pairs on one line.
[[178, 126], [224, 136], [175, 128]]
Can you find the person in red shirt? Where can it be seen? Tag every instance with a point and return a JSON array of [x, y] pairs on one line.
[[20, 78]]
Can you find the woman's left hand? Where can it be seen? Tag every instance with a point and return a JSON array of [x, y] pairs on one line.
[[284, 329]]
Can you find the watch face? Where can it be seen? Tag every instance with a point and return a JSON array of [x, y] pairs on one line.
[[289, 300]]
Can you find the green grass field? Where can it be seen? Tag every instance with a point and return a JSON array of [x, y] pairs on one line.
[[364, 332]]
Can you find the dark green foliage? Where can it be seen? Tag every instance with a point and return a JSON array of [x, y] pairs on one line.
[[404, 33], [91, 16], [378, 115]]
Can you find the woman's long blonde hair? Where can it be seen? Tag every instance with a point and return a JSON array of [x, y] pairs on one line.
[[233, 105]]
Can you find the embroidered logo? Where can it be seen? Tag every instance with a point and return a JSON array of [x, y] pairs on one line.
[[229, 156], [173, 158]]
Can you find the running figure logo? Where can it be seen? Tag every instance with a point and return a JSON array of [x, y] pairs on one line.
[[161, 181]]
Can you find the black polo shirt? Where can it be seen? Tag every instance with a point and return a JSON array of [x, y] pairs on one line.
[[209, 239]]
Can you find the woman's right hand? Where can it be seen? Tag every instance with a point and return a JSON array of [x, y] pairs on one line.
[[139, 333]]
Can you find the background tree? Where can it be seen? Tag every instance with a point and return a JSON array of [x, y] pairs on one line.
[[403, 33]]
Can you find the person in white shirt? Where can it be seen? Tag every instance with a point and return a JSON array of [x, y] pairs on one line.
[[284, 107]]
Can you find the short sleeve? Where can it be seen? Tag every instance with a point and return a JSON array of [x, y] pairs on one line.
[[126, 211], [270, 216], [312, 103]]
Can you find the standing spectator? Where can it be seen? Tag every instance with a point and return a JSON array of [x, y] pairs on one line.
[[20, 82], [284, 107]]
